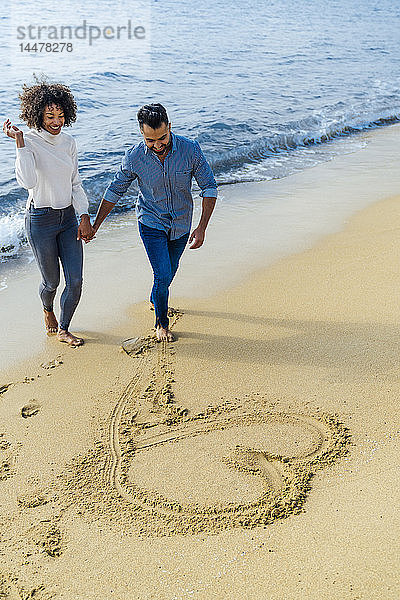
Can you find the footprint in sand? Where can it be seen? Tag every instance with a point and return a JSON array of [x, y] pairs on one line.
[[52, 364], [6, 464], [12, 589], [29, 410], [137, 345], [47, 535], [4, 388], [33, 499], [4, 444], [5, 470]]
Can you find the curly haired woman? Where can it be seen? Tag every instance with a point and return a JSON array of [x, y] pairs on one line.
[[47, 166]]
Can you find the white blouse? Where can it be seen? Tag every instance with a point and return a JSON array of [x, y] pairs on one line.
[[48, 167]]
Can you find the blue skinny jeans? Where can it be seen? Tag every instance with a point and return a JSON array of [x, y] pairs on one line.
[[52, 236], [164, 255]]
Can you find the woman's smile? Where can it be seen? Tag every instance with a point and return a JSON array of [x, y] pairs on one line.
[[53, 119]]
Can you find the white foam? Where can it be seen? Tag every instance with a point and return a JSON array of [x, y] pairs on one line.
[[12, 235]]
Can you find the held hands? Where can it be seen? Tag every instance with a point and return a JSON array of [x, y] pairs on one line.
[[85, 230], [197, 237], [13, 132]]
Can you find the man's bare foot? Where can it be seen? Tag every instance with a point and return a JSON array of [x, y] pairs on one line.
[[50, 322], [68, 338], [163, 334]]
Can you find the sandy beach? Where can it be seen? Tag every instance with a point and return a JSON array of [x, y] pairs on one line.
[[256, 457]]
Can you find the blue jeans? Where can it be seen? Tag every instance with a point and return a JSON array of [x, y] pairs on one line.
[[52, 236], [164, 255]]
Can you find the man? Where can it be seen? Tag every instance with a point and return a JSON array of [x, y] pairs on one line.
[[163, 164]]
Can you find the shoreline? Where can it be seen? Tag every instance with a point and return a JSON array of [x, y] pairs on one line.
[[316, 202]]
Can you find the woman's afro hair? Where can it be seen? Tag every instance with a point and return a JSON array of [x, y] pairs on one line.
[[35, 98]]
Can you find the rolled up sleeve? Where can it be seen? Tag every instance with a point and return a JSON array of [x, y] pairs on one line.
[[121, 182], [203, 175], [79, 199]]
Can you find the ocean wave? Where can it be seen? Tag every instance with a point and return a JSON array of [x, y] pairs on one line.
[[12, 235], [295, 135], [282, 151]]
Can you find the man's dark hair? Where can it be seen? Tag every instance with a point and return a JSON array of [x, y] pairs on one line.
[[35, 98], [152, 115]]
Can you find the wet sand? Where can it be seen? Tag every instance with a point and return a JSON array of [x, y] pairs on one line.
[[256, 457], [253, 225]]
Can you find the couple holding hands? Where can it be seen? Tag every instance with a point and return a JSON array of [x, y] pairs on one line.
[[47, 166]]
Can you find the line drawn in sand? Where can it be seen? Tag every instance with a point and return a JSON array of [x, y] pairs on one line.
[[242, 441]]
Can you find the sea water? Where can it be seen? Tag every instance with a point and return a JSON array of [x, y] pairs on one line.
[[268, 89]]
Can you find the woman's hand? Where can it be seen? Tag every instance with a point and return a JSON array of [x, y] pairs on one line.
[[13, 132], [85, 229]]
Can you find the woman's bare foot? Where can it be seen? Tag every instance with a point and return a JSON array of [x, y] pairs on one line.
[[164, 334], [50, 322], [68, 338]]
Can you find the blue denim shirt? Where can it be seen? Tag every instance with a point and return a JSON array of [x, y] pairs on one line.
[[165, 201]]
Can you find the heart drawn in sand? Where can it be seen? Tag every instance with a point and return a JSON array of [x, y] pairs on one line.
[[234, 465]]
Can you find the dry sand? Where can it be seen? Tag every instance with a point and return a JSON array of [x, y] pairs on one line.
[[220, 466]]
